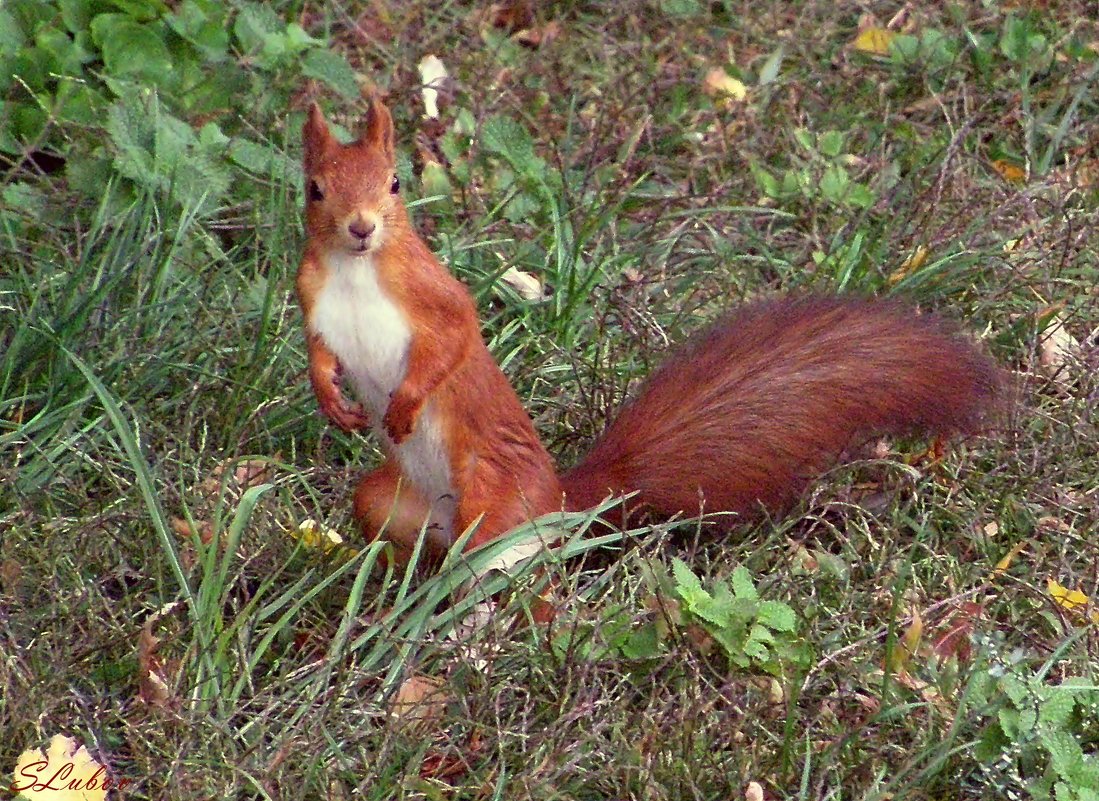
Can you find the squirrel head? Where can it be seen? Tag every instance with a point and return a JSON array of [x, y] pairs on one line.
[[352, 200]]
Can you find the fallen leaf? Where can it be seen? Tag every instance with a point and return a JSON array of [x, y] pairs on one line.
[[1009, 171], [953, 637], [908, 645], [419, 700], [1083, 173], [536, 37], [185, 530], [246, 473], [910, 265], [511, 15], [10, 574], [719, 82], [1055, 524], [453, 764], [1009, 557], [1071, 600], [433, 75], [314, 535], [1057, 347], [151, 684], [527, 286], [775, 692], [64, 771], [804, 562], [873, 40]]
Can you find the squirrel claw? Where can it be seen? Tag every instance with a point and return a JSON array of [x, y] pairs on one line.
[[346, 415]]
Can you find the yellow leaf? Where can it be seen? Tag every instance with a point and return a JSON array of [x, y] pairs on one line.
[[1009, 557], [910, 265], [65, 771], [913, 634], [312, 534], [719, 82], [908, 646], [1008, 171], [874, 40], [1072, 600]]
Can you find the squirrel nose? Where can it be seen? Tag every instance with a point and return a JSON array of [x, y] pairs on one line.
[[361, 229]]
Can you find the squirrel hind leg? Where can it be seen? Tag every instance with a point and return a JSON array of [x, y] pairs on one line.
[[386, 505]]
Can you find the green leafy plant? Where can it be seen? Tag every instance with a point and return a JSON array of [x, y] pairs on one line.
[[152, 95], [754, 633], [821, 172], [1039, 735]]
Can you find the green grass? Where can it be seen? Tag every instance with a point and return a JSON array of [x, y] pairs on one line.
[[148, 350]]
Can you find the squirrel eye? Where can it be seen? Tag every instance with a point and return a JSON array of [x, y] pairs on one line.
[[395, 187], [315, 193]]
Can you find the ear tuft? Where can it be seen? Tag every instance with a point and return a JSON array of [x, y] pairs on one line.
[[315, 136], [378, 128]]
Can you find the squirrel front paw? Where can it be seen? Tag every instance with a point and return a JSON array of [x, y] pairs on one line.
[[400, 417], [344, 413], [325, 378]]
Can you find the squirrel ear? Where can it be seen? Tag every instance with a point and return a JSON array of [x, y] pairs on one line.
[[315, 136], [378, 128]]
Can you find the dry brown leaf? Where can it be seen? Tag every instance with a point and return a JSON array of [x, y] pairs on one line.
[[1056, 524], [536, 37], [1057, 348], [511, 15], [1083, 173], [420, 700], [246, 473], [375, 24], [452, 764], [152, 686], [527, 286], [953, 638], [10, 574], [185, 530]]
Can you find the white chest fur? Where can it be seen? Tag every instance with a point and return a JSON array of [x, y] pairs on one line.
[[364, 328], [370, 335]]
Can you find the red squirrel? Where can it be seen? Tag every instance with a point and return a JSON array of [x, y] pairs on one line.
[[737, 419]]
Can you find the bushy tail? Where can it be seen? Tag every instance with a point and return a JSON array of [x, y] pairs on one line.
[[749, 410]]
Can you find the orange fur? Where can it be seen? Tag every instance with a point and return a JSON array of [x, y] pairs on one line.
[[738, 418]]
